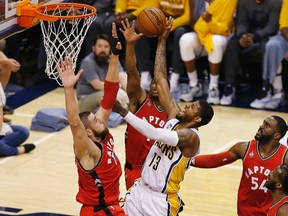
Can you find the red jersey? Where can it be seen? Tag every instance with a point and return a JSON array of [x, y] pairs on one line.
[[253, 197], [274, 208], [137, 145], [100, 186]]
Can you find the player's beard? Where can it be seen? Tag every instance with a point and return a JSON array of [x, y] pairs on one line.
[[271, 186], [181, 118], [101, 135], [262, 138]]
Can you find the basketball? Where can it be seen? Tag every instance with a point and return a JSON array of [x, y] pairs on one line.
[[151, 22]]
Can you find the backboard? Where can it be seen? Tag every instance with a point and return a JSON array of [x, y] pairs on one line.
[[8, 18]]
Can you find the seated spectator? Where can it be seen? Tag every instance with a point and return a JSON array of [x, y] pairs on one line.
[[11, 136], [272, 95], [91, 82], [7, 66], [103, 23], [210, 38], [127, 9], [145, 51], [24, 47], [255, 22]]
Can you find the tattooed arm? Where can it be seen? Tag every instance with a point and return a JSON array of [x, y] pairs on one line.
[[160, 74]]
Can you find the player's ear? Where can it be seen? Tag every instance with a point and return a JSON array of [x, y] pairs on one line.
[[89, 132], [197, 119], [279, 185], [277, 136]]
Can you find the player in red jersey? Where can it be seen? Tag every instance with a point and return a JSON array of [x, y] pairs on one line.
[[99, 168], [277, 183], [145, 106], [259, 157]]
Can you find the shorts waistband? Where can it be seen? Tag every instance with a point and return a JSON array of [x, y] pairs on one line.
[[132, 166], [99, 208], [148, 189]]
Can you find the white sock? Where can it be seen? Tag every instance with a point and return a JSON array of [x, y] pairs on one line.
[[174, 78], [193, 78], [278, 85], [213, 81]]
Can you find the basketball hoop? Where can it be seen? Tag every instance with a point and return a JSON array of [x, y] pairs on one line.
[[64, 26]]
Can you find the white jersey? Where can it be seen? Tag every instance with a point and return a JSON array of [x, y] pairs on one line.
[[165, 166]]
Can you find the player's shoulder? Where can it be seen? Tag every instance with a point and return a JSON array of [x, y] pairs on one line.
[[283, 209]]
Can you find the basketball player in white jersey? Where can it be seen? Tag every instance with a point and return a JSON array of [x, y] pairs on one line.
[[156, 193]]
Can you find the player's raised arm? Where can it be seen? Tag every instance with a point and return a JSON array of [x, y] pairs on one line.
[[135, 92], [160, 73], [82, 144], [111, 83]]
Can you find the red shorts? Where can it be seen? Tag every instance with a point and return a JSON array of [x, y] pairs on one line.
[[115, 210]]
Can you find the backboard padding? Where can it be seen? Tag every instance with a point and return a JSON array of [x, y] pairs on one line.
[[8, 18]]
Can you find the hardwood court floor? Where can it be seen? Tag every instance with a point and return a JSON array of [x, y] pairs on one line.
[[45, 180]]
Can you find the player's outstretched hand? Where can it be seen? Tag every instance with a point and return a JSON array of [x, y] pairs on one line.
[[66, 73], [129, 31]]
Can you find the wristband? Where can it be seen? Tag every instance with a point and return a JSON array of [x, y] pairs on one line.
[[110, 94], [114, 42], [212, 160]]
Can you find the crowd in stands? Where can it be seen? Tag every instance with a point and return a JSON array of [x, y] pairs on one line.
[[232, 40]]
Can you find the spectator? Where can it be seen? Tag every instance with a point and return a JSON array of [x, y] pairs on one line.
[[91, 82], [210, 38], [145, 46], [11, 137], [255, 22], [127, 9], [103, 23], [275, 51]]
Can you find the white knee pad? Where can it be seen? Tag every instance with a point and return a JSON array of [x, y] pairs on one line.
[[189, 46], [220, 44]]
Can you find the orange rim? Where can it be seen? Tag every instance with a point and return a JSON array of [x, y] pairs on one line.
[[51, 7]]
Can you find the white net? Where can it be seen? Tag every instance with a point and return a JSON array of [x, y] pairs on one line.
[[64, 37]]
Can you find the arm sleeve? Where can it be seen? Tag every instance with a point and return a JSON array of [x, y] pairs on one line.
[[110, 94], [166, 136], [212, 161]]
